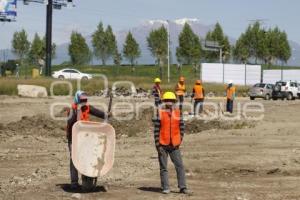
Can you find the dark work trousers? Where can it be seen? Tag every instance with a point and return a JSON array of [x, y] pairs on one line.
[[157, 103], [157, 106], [175, 155], [180, 99], [198, 106], [229, 106], [73, 170]]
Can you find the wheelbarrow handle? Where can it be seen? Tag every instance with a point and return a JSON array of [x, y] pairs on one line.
[[110, 102]]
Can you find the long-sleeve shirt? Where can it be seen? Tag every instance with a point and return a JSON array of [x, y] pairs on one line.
[[157, 125], [73, 119], [156, 92]]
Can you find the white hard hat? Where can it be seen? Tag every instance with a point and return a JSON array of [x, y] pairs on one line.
[[230, 82]]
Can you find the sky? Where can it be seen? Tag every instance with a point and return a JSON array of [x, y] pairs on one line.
[[233, 15]]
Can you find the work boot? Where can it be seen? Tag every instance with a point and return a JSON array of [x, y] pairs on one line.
[[185, 191], [166, 191], [74, 186]]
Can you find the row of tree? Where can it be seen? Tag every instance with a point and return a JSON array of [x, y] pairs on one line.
[[255, 45], [104, 47], [32, 52], [266, 46]]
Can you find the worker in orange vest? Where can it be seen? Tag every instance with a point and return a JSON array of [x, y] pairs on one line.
[[198, 95], [157, 92], [80, 110], [230, 95], [180, 91], [168, 136]]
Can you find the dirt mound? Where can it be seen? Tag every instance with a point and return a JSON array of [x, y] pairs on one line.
[[137, 124], [196, 126], [36, 125], [140, 124]]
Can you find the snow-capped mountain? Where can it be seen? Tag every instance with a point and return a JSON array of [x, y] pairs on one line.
[[142, 31]]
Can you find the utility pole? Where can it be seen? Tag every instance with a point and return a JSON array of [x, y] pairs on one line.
[[168, 51], [49, 37]]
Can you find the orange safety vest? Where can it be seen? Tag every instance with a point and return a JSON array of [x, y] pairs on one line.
[[180, 89], [170, 128], [198, 92], [84, 115], [230, 92]]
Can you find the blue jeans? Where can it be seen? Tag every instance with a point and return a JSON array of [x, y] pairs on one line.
[[198, 106], [229, 106]]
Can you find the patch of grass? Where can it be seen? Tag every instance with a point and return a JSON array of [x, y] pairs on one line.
[[141, 76]]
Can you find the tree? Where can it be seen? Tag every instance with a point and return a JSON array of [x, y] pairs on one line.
[[99, 43], [36, 50], [284, 51], [79, 50], [256, 41], [158, 44], [104, 43], [189, 50], [217, 35], [112, 43], [131, 49], [267, 46], [20, 44], [271, 42], [240, 51], [53, 48], [117, 57]]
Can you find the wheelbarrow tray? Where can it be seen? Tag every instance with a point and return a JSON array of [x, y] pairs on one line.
[[93, 148]]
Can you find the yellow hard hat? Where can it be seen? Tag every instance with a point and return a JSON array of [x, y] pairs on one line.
[[157, 80], [181, 78], [169, 96]]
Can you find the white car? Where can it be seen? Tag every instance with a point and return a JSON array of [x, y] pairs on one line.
[[285, 90], [71, 74]]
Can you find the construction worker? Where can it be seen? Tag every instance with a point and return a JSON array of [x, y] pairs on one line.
[[180, 91], [168, 135], [230, 94], [80, 110], [198, 95], [157, 92]]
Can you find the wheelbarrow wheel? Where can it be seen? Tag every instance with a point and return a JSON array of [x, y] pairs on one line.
[[88, 183]]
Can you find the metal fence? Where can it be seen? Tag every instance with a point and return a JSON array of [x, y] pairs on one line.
[[222, 73]]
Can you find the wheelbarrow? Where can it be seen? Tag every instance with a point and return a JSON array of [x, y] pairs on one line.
[[93, 148]]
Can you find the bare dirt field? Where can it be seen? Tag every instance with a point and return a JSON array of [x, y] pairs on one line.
[[240, 160]]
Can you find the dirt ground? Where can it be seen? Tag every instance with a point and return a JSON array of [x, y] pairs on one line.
[[239, 160]]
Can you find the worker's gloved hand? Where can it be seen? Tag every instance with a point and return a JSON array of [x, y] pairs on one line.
[[160, 150], [109, 115]]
